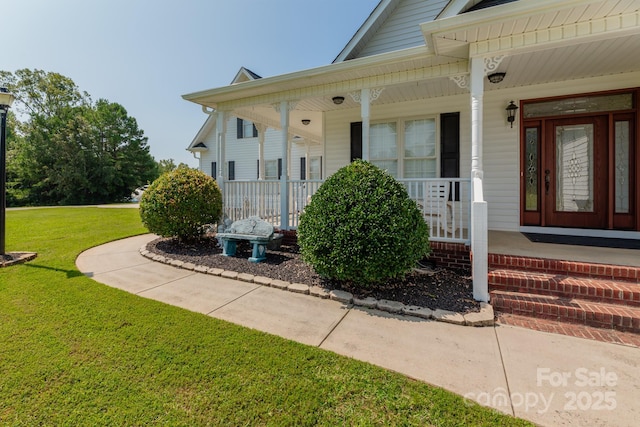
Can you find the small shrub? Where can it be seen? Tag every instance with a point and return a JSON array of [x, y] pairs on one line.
[[362, 227], [180, 204]]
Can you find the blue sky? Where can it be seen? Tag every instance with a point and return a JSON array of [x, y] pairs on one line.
[[145, 54]]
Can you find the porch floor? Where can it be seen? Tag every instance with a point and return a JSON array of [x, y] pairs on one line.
[[514, 243]]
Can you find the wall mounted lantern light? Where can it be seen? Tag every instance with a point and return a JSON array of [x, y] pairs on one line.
[[496, 77], [511, 112], [305, 121], [338, 100], [6, 99]]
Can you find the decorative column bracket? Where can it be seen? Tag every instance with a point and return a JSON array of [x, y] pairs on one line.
[[492, 63], [462, 81], [291, 105], [374, 94]]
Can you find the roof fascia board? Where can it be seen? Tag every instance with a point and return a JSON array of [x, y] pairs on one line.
[[364, 29], [204, 130], [345, 86], [488, 16], [335, 69]]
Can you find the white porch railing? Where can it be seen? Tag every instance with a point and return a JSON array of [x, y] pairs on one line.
[[444, 203]]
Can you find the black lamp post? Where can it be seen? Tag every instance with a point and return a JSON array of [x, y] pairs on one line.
[[6, 99]]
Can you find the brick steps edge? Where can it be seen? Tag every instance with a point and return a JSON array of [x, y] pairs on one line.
[[607, 291], [566, 268], [599, 315]]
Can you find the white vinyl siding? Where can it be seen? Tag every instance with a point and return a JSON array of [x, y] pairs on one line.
[[401, 30]]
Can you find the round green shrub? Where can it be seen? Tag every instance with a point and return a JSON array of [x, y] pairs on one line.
[[181, 203], [362, 227]]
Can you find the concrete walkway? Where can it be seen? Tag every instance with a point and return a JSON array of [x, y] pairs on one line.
[[549, 379]]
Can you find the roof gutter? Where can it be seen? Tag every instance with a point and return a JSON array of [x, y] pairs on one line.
[[301, 78]]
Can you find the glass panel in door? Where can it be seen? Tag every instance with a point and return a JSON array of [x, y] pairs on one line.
[[574, 168]]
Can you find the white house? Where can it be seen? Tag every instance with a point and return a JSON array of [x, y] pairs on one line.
[[425, 89]]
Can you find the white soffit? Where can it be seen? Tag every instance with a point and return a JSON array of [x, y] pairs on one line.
[[526, 24]]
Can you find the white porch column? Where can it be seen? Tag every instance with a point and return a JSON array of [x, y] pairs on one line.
[[479, 220], [365, 109], [307, 168], [221, 130], [284, 178], [262, 129], [365, 97]]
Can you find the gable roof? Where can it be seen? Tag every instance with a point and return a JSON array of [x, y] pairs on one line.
[[244, 75], [367, 29], [380, 31]]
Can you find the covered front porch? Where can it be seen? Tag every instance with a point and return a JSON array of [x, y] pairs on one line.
[[516, 244], [444, 203], [365, 107]]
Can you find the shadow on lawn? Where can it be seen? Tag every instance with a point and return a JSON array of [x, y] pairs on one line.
[[70, 273]]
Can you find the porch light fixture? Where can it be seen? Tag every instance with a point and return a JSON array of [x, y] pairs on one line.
[[511, 112], [496, 77], [338, 100], [306, 121], [6, 99]]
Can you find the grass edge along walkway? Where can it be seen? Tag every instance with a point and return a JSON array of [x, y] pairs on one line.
[[75, 352]]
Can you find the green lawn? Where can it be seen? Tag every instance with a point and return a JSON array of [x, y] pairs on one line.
[[75, 352]]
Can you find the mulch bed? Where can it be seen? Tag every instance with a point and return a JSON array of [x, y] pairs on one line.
[[441, 288]]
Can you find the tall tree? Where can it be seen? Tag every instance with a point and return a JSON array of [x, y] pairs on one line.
[[69, 150]]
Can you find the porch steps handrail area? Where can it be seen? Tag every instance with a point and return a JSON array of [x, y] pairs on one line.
[[589, 294], [443, 202]]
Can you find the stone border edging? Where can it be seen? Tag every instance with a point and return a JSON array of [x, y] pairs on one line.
[[483, 318], [22, 258]]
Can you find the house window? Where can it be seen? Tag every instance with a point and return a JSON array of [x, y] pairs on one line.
[[272, 169], [246, 129], [214, 170], [315, 167], [411, 148], [417, 142], [420, 159], [231, 167], [383, 147]]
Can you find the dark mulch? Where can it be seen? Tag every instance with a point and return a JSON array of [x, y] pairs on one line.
[[442, 288]]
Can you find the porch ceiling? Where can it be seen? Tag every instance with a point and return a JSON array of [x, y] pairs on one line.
[[541, 41]]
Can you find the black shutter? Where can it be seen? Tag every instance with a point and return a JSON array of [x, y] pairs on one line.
[[450, 150], [279, 168], [239, 128], [356, 140], [303, 168], [232, 170], [255, 131], [320, 167], [214, 170], [258, 174]]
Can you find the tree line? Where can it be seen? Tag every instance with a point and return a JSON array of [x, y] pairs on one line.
[[65, 149]]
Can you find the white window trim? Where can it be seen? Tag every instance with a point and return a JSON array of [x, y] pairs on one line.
[[266, 163], [400, 139]]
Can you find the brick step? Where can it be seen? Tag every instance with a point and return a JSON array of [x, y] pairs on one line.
[[607, 291], [578, 311], [618, 273], [569, 329]]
